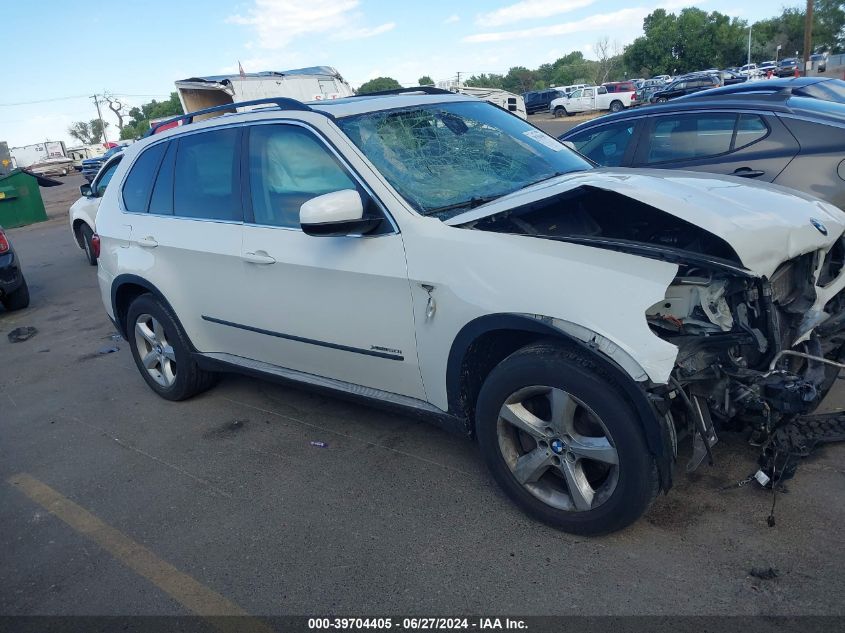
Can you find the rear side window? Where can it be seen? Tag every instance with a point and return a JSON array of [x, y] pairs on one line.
[[161, 202], [750, 129], [207, 176], [139, 182], [685, 136]]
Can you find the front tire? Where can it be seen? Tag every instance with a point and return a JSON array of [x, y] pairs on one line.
[[162, 352], [563, 442], [87, 234], [559, 112], [17, 300]]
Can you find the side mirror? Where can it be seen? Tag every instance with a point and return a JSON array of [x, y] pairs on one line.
[[86, 190], [337, 213], [570, 145]]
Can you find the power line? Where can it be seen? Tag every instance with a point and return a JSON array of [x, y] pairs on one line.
[[20, 103], [68, 98]]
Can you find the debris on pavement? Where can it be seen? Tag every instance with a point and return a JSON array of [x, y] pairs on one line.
[[764, 573], [20, 334], [319, 444], [108, 349], [237, 424]]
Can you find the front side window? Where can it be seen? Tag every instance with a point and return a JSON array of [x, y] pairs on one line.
[[287, 167], [139, 182], [607, 145], [105, 178], [207, 176], [445, 158]]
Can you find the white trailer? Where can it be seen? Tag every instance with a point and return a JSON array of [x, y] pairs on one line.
[[502, 98], [304, 84], [82, 152], [27, 155]]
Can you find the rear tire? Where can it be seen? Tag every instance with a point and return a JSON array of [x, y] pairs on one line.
[[563, 442], [616, 106], [17, 300], [86, 233], [162, 351]]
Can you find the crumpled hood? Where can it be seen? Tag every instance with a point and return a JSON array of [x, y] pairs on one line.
[[765, 224]]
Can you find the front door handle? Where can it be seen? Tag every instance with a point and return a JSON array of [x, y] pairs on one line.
[[259, 257], [147, 242], [747, 172]]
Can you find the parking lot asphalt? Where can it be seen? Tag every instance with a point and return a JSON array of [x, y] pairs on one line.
[[114, 501]]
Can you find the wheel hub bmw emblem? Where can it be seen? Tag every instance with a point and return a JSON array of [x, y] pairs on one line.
[[819, 226], [558, 446]]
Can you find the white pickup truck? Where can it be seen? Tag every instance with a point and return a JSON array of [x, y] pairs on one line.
[[589, 99]]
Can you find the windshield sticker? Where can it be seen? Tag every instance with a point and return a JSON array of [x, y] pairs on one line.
[[544, 139]]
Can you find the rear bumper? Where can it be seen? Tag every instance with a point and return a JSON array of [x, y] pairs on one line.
[[10, 274]]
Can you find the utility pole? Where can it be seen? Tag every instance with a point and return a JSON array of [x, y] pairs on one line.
[[100, 116], [459, 78], [748, 61], [808, 35]]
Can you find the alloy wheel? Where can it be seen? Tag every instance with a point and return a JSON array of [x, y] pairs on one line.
[[557, 448], [156, 353]]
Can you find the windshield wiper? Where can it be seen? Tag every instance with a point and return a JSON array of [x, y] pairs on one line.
[[475, 201], [554, 175]]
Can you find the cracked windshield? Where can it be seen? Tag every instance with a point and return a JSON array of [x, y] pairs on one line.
[[447, 158]]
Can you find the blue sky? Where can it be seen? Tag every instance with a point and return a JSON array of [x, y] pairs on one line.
[[67, 49]]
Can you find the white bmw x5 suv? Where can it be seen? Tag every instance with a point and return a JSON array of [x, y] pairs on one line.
[[432, 251]]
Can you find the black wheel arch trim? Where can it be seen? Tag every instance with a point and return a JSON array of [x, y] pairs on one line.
[[647, 414], [127, 279]]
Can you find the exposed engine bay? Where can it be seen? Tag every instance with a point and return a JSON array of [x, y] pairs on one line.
[[753, 351]]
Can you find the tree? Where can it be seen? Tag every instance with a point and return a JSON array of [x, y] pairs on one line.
[[425, 80], [139, 118], [90, 133], [829, 25], [485, 81], [118, 107], [691, 40], [608, 58], [378, 84], [519, 79]]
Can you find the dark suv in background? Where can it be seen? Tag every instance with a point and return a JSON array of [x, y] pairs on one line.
[[787, 67], [540, 100], [685, 86]]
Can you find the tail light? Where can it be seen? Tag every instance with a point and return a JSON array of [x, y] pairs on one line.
[[4, 243], [95, 245]]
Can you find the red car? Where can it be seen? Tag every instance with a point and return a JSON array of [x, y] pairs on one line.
[[620, 86]]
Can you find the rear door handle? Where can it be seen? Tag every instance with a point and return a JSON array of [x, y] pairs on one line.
[[147, 242], [747, 172], [258, 257]]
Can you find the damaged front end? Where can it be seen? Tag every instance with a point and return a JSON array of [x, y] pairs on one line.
[[756, 348], [744, 357]]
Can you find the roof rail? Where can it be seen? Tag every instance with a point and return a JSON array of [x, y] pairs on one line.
[[429, 90], [283, 103]]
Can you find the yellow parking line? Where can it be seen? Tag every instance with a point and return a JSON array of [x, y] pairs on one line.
[[191, 594]]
